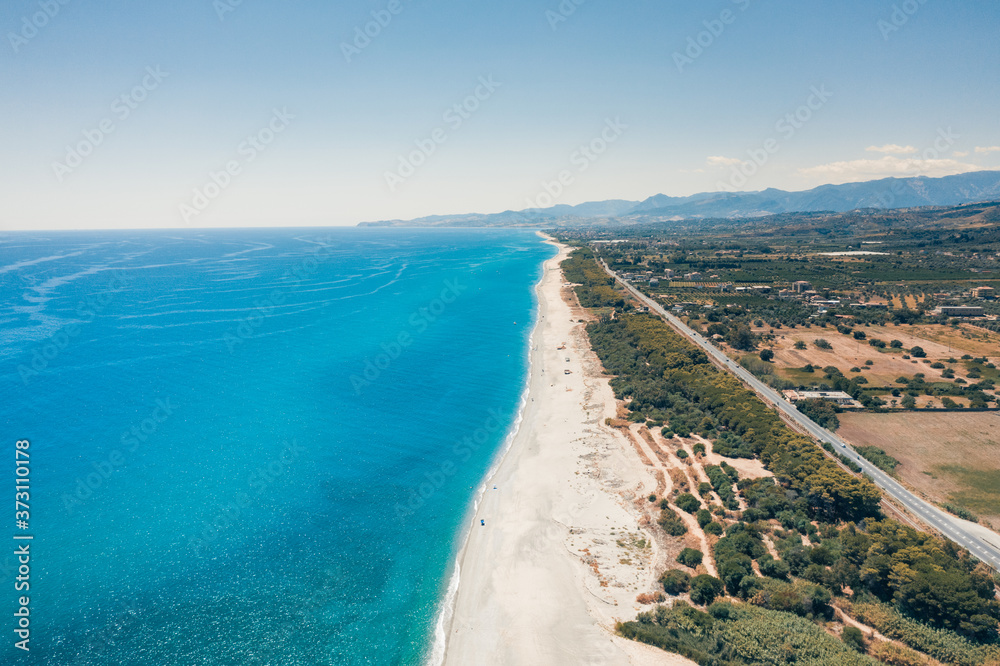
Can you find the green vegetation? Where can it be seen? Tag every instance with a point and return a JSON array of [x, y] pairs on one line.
[[664, 374], [829, 537], [731, 635], [879, 458], [687, 502], [853, 638], [713, 528], [671, 522], [705, 589], [799, 597], [941, 644], [964, 514], [596, 290], [923, 576], [982, 492], [820, 411], [690, 557], [675, 581], [722, 483]]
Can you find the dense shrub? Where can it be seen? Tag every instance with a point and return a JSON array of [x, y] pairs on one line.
[[687, 502], [595, 288], [690, 557], [879, 458], [941, 644], [801, 598], [671, 522], [734, 555], [731, 635], [773, 568], [675, 581], [705, 589], [853, 638], [722, 483], [732, 446], [924, 576], [704, 517], [964, 514], [820, 411]]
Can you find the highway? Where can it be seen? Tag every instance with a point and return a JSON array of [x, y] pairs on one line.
[[924, 511]]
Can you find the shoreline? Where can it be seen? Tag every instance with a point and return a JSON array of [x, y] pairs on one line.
[[545, 579], [438, 649], [436, 653], [445, 614]]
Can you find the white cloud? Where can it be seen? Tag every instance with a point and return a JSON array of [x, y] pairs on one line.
[[987, 149], [893, 149], [887, 166], [961, 153], [718, 160]]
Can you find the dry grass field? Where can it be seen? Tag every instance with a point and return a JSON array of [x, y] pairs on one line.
[[966, 339], [939, 342], [950, 456]]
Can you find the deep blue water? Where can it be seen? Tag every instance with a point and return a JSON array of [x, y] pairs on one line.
[[246, 446]]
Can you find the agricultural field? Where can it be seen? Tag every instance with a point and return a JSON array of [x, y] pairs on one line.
[[906, 301], [952, 457]]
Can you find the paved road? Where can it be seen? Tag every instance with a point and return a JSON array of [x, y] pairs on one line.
[[924, 511]]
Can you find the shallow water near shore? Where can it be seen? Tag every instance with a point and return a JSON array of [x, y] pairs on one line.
[[255, 446]]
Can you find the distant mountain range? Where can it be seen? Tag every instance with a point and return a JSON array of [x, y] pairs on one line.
[[880, 194]]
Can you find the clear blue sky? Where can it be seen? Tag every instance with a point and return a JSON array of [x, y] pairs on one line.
[[896, 88]]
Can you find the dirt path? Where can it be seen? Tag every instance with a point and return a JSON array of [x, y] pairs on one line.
[[689, 521], [871, 633]]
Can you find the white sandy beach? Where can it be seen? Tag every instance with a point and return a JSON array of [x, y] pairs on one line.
[[560, 558]]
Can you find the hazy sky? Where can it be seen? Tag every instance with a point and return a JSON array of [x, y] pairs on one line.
[[237, 113]]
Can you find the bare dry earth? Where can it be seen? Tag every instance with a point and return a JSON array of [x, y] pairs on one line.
[[886, 366], [949, 456]]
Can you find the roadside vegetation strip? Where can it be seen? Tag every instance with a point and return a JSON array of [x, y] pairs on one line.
[[879, 458]]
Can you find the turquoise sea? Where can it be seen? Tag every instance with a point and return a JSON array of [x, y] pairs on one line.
[[252, 446]]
